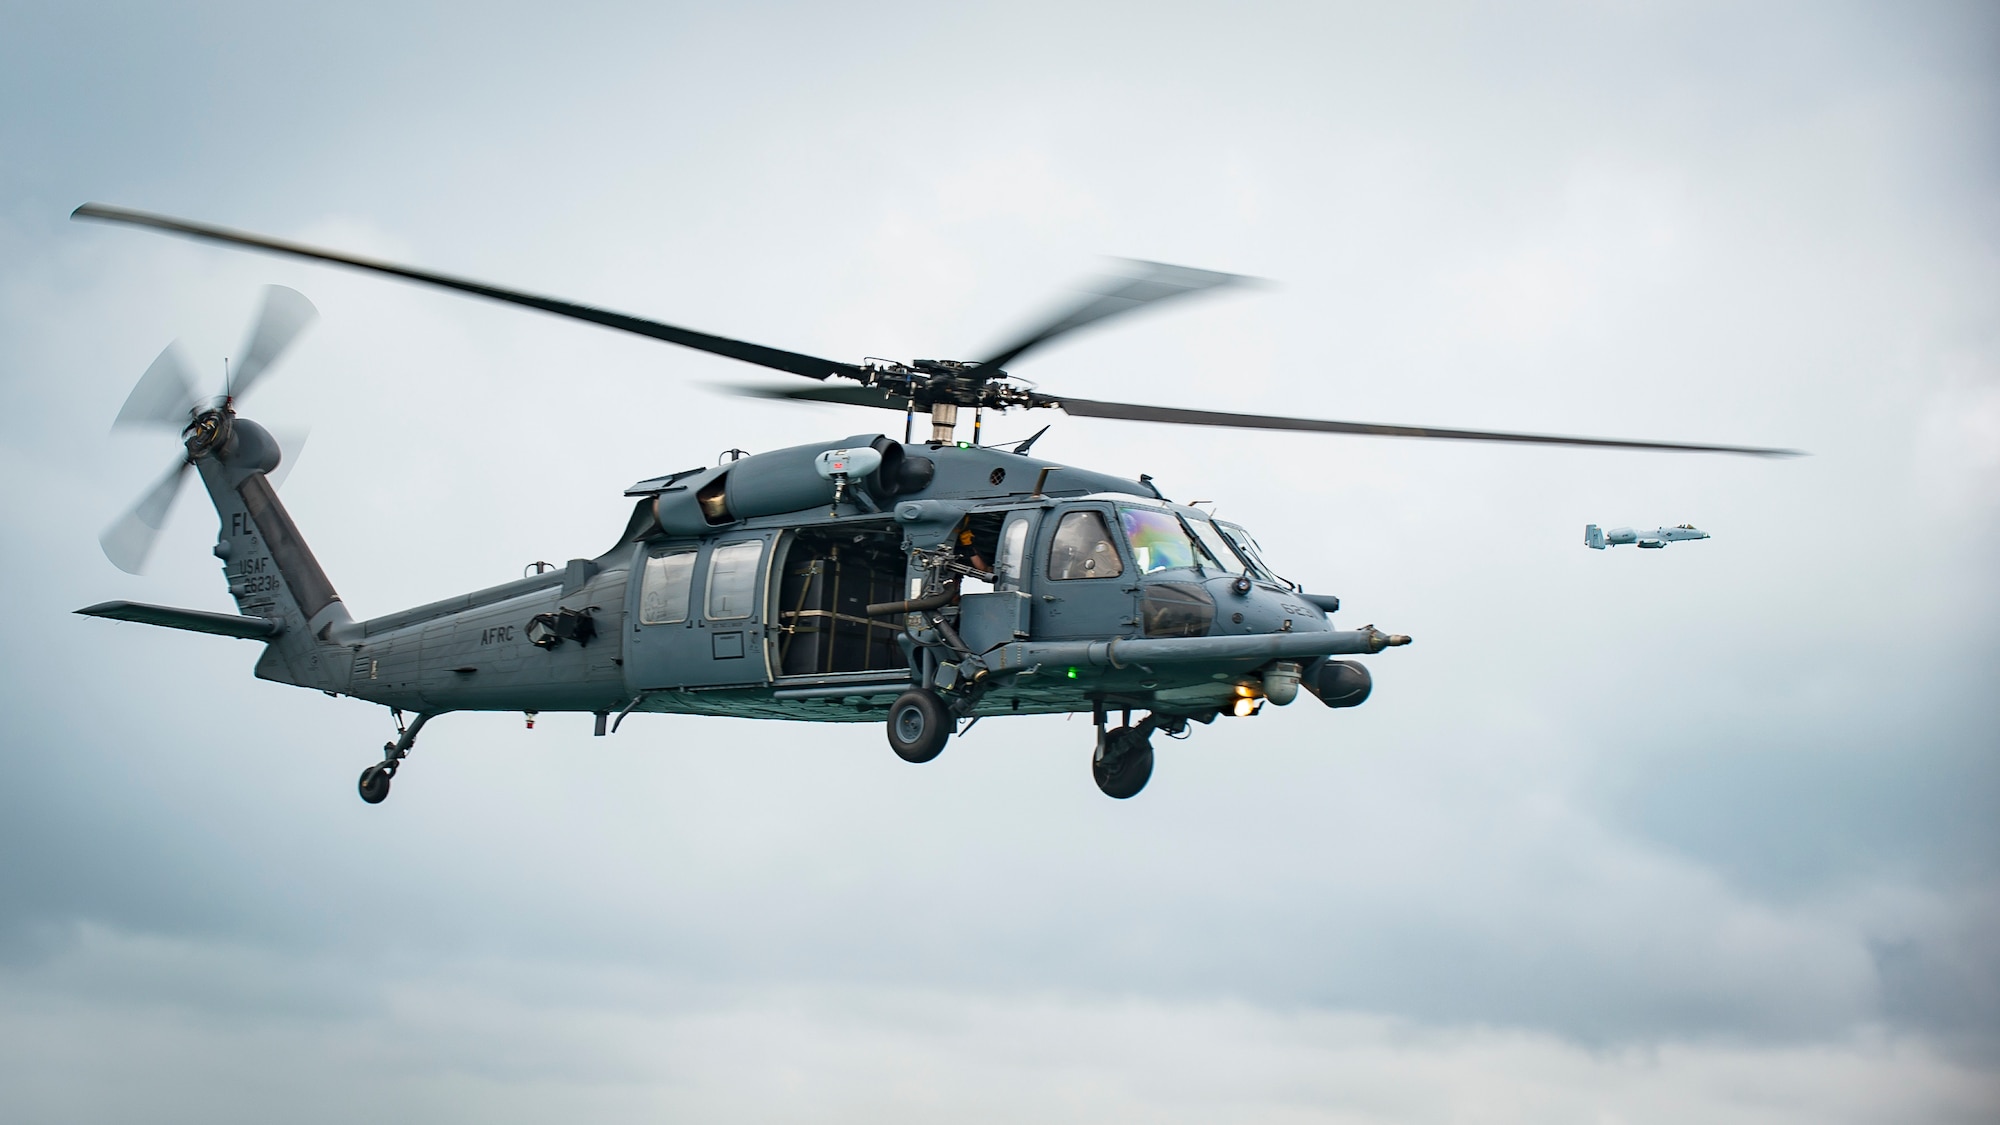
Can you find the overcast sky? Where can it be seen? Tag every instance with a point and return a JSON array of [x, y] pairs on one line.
[[1699, 834]]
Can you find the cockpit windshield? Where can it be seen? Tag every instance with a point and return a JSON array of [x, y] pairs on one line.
[[1247, 547], [1217, 547], [1158, 540]]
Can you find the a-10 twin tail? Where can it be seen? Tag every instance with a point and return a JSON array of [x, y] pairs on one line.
[[923, 585]]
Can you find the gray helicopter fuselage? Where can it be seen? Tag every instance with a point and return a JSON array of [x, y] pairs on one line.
[[743, 589]]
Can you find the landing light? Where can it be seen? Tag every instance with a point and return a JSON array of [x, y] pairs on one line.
[[1246, 707]]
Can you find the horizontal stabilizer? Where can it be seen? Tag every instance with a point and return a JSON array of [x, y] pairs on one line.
[[193, 620]]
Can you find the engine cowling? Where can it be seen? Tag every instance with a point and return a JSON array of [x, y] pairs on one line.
[[785, 480]]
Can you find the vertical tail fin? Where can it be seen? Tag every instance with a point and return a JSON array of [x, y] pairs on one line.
[[1593, 537], [272, 573]]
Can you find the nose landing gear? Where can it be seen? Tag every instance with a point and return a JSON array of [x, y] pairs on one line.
[[374, 783]]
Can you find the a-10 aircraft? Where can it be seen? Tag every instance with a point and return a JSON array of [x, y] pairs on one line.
[[924, 585], [1597, 539]]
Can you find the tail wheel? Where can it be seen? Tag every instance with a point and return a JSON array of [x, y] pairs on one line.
[[1123, 764], [374, 784], [918, 725]]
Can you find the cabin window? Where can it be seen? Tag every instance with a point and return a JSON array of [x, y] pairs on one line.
[[663, 592], [1082, 548], [1013, 549], [1158, 540], [732, 580]]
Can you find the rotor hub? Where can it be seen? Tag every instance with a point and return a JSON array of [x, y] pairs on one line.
[[210, 431]]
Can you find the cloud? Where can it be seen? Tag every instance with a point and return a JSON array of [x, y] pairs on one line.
[[493, 1040]]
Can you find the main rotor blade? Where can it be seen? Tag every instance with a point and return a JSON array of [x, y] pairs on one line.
[[130, 538], [286, 313], [1091, 408], [163, 396], [832, 392], [1147, 283], [812, 367]]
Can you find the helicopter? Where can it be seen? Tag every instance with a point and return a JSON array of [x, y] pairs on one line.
[[925, 585]]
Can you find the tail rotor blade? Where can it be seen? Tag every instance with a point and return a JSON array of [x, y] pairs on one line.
[[128, 541], [286, 313], [163, 396], [290, 442]]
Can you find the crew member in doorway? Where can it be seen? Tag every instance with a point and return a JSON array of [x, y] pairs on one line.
[[969, 554]]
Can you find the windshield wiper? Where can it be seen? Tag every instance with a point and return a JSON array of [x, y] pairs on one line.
[[1200, 549]]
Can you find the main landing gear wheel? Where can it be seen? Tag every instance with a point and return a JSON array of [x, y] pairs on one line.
[[374, 784], [1123, 763], [919, 723]]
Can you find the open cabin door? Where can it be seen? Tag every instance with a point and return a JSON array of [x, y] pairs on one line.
[[697, 614], [828, 578]]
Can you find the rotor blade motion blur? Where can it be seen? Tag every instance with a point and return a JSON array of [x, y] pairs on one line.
[[290, 441], [812, 367], [1147, 283], [130, 539], [163, 396], [286, 313], [1090, 408]]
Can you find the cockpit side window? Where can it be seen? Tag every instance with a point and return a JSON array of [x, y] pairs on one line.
[[1082, 548], [1158, 540]]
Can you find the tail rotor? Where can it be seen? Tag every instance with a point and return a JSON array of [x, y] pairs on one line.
[[165, 398]]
